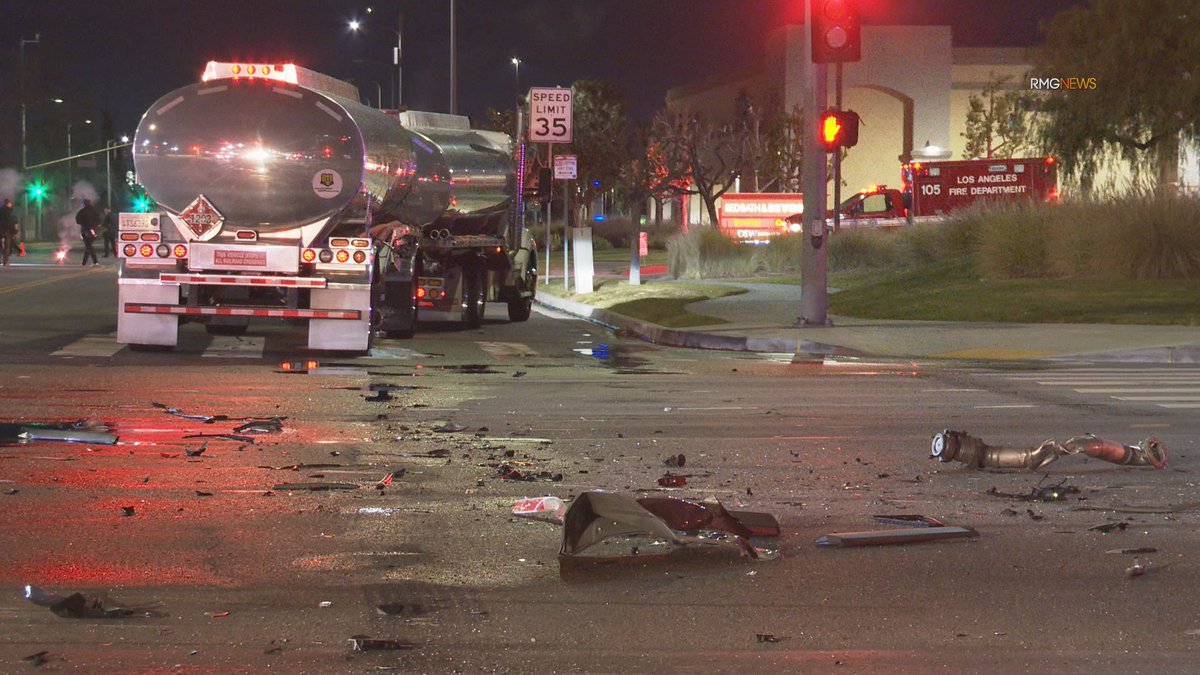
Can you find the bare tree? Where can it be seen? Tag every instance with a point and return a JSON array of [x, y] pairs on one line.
[[712, 156], [997, 121]]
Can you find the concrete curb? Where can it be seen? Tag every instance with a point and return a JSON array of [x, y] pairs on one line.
[[669, 336]]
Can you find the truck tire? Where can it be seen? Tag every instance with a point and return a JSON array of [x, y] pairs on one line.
[[400, 317], [519, 309], [474, 300]]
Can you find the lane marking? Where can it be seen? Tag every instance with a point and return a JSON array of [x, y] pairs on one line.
[[92, 345], [1013, 405], [48, 280]]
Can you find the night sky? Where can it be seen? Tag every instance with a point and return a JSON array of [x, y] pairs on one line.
[[121, 55]]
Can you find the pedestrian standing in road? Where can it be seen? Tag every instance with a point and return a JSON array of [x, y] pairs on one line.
[[109, 225], [88, 221], [8, 229]]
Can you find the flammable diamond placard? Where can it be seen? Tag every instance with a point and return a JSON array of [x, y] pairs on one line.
[[202, 217]]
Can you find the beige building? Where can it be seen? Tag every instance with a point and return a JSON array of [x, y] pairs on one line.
[[911, 89]]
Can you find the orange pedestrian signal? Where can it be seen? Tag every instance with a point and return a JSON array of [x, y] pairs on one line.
[[839, 129]]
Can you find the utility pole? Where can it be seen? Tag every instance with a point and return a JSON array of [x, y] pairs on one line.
[[398, 58], [814, 292]]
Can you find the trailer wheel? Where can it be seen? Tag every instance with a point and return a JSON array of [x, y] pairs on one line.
[[519, 309], [474, 300]]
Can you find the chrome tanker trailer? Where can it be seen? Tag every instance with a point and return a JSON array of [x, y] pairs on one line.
[[280, 196]]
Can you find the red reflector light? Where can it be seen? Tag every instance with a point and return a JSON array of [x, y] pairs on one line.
[[146, 250], [1049, 160], [360, 243], [339, 242], [129, 236], [180, 251], [130, 250], [247, 235], [298, 366], [266, 70], [360, 257], [308, 255], [249, 70], [343, 255], [237, 70], [149, 236]]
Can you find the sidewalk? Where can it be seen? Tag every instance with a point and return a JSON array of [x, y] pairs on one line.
[[763, 320]]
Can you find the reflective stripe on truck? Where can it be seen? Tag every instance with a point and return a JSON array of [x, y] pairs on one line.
[[234, 280], [348, 314]]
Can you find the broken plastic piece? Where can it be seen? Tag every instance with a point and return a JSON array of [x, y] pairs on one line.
[[672, 480], [1049, 493], [960, 446], [1109, 527], [676, 460], [597, 516], [549, 509], [65, 434], [449, 428], [271, 425], [315, 487], [913, 535]]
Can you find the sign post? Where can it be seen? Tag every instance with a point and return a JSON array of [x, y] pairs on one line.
[[550, 122], [566, 170]]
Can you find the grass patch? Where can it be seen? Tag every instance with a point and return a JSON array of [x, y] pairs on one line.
[[952, 292], [660, 302]]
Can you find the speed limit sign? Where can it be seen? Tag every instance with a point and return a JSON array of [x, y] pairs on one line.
[[549, 115]]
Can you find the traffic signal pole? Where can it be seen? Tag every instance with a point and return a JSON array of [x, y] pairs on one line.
[[814, 291]]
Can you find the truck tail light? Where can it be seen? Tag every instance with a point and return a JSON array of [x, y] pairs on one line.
[[150, 236], [360, 257], [180, 251], [129, 236], [146, 250], [247, 235], [130, 250], [162, 250], [308, 255], [339, 243], [326, 256], [343, 255], [421, 293]]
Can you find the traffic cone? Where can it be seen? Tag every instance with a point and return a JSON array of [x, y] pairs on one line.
[[21, 246]]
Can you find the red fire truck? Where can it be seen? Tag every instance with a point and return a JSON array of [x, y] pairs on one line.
[[940, 188]]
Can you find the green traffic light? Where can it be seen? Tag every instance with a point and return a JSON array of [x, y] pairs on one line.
[[37, 191], [141, 204]]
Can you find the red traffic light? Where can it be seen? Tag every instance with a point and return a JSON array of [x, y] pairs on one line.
[[838, 129], [836, 31]]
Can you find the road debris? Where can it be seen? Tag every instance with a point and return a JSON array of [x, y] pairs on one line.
[[614, 519], [548, 509], [76, 606], [676, 460], [362, 643], [1109, 527], [228, 437], [128, 511], [314, 487], [198, 451], [913, 535], [960, 446], [909, 519], [1133, 551], [672, 480], [272, 425], [449, 428], [79, 431], [387, 480], [507, 472], [36, 660], [766, 638], [1049, 493]]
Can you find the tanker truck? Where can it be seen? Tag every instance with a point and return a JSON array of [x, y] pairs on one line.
[[279, 196]]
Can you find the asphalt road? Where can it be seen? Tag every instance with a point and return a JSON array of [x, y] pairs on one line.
[[231, 570]]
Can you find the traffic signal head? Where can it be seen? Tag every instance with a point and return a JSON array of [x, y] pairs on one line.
[[37, 191], [836, 32], [141, 204]]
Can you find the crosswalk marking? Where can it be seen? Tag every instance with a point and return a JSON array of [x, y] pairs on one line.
[[503, 350], [92, 345], [235, 347], [1175, 388]]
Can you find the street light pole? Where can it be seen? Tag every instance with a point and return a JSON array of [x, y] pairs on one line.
[[398, 58], [516, 61], [453, 65], [37, 37]]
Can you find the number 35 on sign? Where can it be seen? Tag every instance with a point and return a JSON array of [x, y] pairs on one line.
[[549, 115]]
